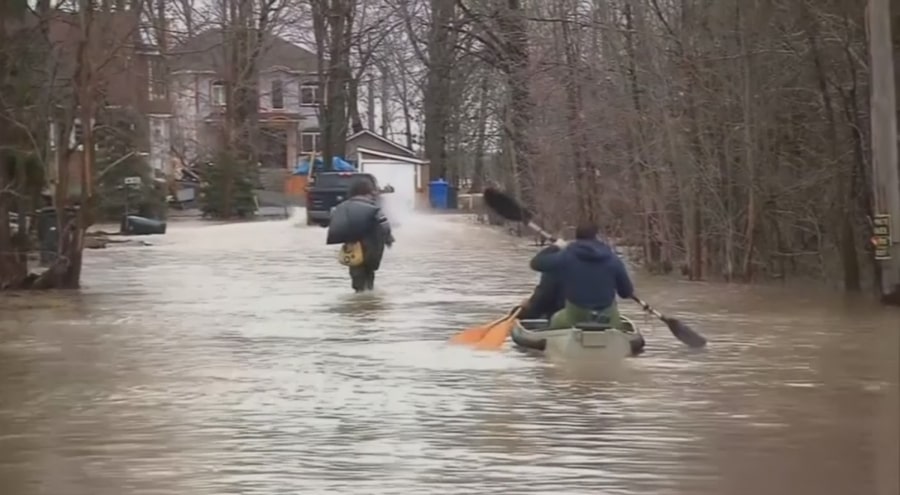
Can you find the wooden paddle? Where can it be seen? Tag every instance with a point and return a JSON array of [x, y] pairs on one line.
[[510, 209]]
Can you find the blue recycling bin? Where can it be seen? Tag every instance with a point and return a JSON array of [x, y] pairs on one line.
[[439, 194]]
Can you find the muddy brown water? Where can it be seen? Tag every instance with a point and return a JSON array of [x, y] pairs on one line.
[[230, 359]]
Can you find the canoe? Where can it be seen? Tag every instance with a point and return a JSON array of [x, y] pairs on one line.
[[135, 225], [590, 338]]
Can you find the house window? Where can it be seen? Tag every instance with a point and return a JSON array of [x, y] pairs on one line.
[[156, 79], [309, 95], [277, 94], [217, 93], [52, 134], [309, 142], [76, 134]]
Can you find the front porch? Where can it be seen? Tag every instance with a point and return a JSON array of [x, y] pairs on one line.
[[279, 135], [278, 140]]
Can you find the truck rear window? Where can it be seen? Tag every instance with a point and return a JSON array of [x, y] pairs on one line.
[[337, 180]]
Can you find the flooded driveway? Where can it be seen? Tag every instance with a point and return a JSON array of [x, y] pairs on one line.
[[232, 359]]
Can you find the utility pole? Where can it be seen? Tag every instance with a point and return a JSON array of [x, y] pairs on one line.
[[370, 108], [885, 176], [385, 102]]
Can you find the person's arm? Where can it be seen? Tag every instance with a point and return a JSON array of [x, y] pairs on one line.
[[385, 226], [548, 259], [623, 282]]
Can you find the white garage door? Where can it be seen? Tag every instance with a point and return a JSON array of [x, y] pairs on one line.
[[399, 175]]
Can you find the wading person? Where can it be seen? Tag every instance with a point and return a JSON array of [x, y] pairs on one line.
[[591, 274], [359, 224]]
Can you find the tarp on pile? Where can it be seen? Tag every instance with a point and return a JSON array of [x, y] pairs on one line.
[[338, 164]]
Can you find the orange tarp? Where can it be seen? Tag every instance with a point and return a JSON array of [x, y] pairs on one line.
[[295, 185]]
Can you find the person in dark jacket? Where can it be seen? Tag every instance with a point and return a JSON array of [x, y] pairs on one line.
[[592, 275], [548, 297], [360, 219]]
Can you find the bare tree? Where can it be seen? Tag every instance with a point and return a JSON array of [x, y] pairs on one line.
[[333, 27], [66, 64], [729, 138]]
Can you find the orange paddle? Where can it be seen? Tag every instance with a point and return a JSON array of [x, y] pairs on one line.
[[474, 334], [497, 335]]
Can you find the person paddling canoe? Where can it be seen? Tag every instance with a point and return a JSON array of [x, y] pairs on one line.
[[360, 219], [548, 297], [591, 273]]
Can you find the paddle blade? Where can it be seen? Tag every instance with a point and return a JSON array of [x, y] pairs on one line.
[[497, 335], [475, 334], [684, 333], [472, 335], [506, 206]]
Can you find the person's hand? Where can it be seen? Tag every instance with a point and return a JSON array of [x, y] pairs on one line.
[[560, 243]]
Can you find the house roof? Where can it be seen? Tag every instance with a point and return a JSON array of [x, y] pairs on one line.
[[389, 156], [365, 132], [205, 52]]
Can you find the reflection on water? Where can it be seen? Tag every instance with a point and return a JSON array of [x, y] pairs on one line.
[[236, 359]]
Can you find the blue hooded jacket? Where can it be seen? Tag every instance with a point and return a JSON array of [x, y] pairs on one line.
[[591, 272]]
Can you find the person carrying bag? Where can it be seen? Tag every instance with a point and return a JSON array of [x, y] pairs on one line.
[[363, 230]]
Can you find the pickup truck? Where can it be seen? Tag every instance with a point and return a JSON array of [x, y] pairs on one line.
[[325, 191]]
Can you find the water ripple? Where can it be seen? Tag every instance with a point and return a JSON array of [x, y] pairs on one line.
[[234, 359]]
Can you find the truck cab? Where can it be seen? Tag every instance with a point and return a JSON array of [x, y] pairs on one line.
[[327, 190]]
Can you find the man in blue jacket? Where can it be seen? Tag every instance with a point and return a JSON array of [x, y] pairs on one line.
[[591, 273]]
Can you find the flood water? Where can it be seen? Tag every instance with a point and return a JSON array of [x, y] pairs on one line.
[[234, 359]]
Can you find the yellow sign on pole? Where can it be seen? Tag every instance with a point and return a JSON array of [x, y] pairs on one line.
[[881, 236]]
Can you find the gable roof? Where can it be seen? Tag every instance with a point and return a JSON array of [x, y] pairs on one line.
[[399, 147], [205, 52], [381, 154]]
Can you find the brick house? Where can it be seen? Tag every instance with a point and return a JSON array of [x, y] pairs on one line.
[[129, 77]]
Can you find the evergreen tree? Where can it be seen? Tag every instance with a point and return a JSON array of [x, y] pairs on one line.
[[227, 190]]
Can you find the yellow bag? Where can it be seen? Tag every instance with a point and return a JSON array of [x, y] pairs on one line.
[[350, 254]]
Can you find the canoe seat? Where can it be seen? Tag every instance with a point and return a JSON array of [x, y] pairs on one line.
[[597, 323]]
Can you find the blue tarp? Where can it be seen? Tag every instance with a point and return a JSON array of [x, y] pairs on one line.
[[338, 165]]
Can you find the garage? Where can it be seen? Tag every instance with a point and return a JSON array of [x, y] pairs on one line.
[[392, 165], [403, 175]]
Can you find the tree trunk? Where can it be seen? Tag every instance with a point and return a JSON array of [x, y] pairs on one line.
[[513, 29], [437, 85], [749, 144], [478, 175]]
